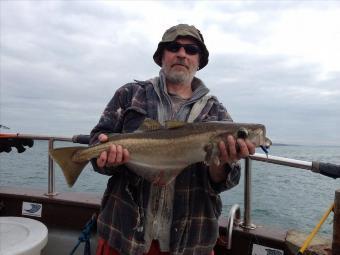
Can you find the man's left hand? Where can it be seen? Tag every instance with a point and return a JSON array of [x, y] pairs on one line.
[[231, 151], [235, 149]]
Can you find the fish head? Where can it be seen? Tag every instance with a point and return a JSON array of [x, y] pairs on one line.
[[256, 133]]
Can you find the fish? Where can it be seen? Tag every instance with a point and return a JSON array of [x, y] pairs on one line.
[[158, 153]]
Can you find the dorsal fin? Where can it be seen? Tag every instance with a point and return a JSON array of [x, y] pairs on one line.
[[149, 125], [112, 136], [174, 124]]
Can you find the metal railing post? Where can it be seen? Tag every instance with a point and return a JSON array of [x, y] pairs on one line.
[[247, 196], [51, 174], [336, 224], [234, 215]]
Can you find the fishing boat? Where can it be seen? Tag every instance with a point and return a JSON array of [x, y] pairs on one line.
[[64, 222]]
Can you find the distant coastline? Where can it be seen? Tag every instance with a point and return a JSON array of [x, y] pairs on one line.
[[317, 145], [285, 144]]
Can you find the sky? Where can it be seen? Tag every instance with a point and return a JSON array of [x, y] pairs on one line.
[[271, 62]]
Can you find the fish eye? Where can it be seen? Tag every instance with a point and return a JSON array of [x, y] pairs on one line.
[[242, 133]]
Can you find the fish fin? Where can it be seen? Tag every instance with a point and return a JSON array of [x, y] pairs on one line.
[[209, 150], [212, 154], [216, 161], [112, 136], [71, 169], [152, 125], [170, 124], [149, 125], [153, 174]]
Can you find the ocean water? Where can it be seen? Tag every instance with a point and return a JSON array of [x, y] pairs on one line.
[[282, 197]]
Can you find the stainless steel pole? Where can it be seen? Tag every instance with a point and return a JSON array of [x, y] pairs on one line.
[[247, 196], [336, 224], [247, 224], [282, 161], [51, 174]]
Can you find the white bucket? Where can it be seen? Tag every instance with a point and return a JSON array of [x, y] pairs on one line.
[[22, 236]]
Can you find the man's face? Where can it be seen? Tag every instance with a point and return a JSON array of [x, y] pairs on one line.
[[180, 64]]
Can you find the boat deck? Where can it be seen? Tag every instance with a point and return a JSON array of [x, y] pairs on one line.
[[62, 241], [66, 214]]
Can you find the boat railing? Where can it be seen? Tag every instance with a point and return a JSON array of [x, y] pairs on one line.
[[327, 169], [51, 188], [234, 218], [330, 170]]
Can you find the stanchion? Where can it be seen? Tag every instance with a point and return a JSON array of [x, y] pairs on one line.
[[336, 225]]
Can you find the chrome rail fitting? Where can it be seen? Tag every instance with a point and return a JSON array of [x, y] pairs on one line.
[[234, 215], [51, 190], [247, 224]]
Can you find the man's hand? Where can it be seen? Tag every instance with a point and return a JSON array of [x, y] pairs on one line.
[[234, 150], [116, 154], [230, 152]]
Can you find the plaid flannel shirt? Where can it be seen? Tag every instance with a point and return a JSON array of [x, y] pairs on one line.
[[197, 204]]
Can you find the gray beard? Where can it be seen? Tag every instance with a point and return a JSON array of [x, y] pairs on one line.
[[178, 77]]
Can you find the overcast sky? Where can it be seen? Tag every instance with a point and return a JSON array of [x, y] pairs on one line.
[[271, 62]]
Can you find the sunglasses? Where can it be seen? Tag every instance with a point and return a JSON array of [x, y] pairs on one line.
[[191, 49]]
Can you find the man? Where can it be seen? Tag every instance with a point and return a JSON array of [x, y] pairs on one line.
[[139, 217]]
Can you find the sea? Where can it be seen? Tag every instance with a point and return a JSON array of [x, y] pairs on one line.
[[282, 197]]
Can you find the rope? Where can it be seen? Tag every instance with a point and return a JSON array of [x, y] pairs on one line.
[[85, 236], [315, 230]]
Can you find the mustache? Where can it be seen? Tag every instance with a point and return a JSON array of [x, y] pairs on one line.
[[180, 62]]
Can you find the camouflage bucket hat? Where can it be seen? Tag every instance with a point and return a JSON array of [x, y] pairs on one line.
[[182, 30]]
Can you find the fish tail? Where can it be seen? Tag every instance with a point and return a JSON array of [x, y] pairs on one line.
[[71, 169]]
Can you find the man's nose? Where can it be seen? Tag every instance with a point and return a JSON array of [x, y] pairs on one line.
[[181, 52]]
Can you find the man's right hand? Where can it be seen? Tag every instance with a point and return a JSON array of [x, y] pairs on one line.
[[116, 154]]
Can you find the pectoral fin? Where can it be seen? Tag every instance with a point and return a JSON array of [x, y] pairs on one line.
[[158, 175], [212, 154], [216, 161]]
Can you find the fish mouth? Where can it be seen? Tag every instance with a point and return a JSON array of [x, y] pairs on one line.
[[268, 142]]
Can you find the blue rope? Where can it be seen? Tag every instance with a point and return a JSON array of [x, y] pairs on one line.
[[85, 237]]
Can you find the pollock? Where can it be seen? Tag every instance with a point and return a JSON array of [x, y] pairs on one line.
[[159, 153]]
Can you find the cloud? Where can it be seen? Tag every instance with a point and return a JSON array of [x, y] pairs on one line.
[[291, 101], [275, 63]]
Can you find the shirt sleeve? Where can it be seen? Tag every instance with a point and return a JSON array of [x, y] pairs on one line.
[[111, 118], [233, 173], [109, 122]]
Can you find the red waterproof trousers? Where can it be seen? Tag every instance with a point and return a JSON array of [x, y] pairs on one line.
[[103, 248]]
